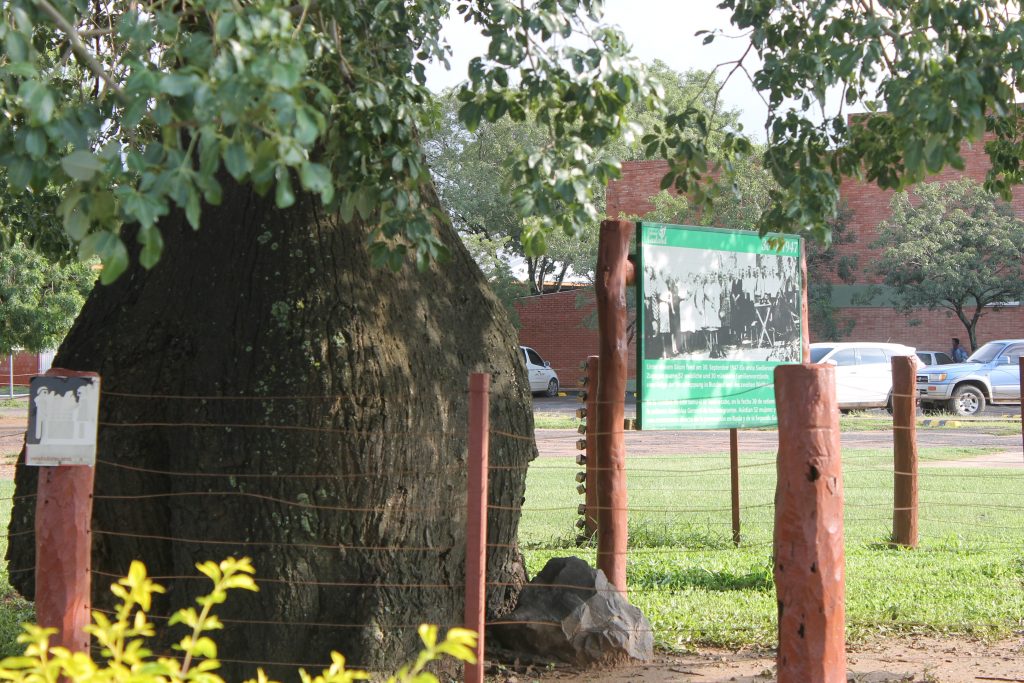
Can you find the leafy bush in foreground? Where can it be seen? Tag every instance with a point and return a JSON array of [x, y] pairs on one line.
[[127, 658]]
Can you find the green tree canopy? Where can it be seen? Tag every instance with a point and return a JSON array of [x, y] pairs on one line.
[[952, 246], [39, 298], [477, 181]]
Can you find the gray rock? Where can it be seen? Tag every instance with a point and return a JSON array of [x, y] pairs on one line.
[[569, 612]]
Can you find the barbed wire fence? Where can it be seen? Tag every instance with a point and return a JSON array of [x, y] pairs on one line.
[[681, 520], [681, 512]]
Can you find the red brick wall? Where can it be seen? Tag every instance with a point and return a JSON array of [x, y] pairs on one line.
[[935, 328], [555, 325], [870, 206], [629, 196], [25, 366]]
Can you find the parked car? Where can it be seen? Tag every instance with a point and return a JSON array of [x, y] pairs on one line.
[[935, 358], [863, 371], [991, 375], [542, 377]]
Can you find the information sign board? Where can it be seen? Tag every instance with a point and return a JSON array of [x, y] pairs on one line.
[[717, 310], [63, 416]]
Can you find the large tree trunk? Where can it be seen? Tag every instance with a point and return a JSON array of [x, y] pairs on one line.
[[267, 393]]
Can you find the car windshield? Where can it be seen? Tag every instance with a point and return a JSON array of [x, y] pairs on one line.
[[986, 354], [818, 353]]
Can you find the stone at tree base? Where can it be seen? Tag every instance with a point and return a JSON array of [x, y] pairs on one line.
[[571, 613]]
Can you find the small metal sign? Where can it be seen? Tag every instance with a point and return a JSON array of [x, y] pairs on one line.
[[63, 416]]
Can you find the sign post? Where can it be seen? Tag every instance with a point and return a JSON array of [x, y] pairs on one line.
[[61, 439], [717, 311]]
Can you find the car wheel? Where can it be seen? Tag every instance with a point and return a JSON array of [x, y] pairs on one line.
[[888, 404], [967, 400], [552, 388]]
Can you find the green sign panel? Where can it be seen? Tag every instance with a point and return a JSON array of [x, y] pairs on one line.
[[717, 310]]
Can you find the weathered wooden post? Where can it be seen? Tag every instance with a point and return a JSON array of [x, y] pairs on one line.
[[476, 518], [904, 438], [808, 542], [614, 271]]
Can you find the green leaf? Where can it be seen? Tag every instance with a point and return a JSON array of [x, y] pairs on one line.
[[178, 85], [38, 99], [192, 208], [317, 178], [76, 224], [111, 251], [35, 143], [152, 246], [237, 160], [133, 113], [81, 165], [283, 194]]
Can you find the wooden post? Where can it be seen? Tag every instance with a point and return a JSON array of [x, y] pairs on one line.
[[593, 460], [476, 518], [734, 476], [64, 547], [805, 318], [808, 544], [904, 438], [1020, 363], [613, 270]]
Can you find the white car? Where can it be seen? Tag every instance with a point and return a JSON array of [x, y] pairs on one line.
[[863, 371], [542, 377]]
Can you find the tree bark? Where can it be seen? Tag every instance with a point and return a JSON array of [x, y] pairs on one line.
[[268, 393]]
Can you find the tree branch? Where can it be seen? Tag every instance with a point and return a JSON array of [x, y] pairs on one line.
[[79, 48]]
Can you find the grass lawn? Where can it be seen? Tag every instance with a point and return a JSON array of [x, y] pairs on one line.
[[854, 422], [695, 587], [13, 608]]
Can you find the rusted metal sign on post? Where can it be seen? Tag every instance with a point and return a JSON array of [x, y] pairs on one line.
[[63, 416]]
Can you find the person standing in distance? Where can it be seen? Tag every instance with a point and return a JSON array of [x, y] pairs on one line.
[[959, 353]]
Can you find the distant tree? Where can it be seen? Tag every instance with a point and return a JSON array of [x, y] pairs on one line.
[[492, 256], [476, 180], [952, 246], [39, 298]]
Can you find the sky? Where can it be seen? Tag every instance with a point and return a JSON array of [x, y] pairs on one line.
[[657, 29]]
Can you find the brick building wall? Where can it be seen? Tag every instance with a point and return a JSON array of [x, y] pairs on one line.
[[869, 206], [561, 327], [26, 365]]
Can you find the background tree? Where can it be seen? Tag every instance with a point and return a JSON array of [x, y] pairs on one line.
[[39, 298], [952, 246], [931, 75], [477, 183]]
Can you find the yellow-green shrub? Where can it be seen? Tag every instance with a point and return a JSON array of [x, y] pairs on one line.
[[127, 659]]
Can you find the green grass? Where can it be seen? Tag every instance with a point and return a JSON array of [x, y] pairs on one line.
[[21, 403], [966, 577], [555, 421], [13, 608], [854, 422]]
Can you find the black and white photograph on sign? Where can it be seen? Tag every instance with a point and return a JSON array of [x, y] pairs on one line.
[[708, 304], [63, 415]]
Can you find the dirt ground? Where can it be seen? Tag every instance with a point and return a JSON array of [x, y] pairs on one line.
[[918, 660]]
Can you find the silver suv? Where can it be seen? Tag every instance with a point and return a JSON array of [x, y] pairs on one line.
[[991, 375]]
